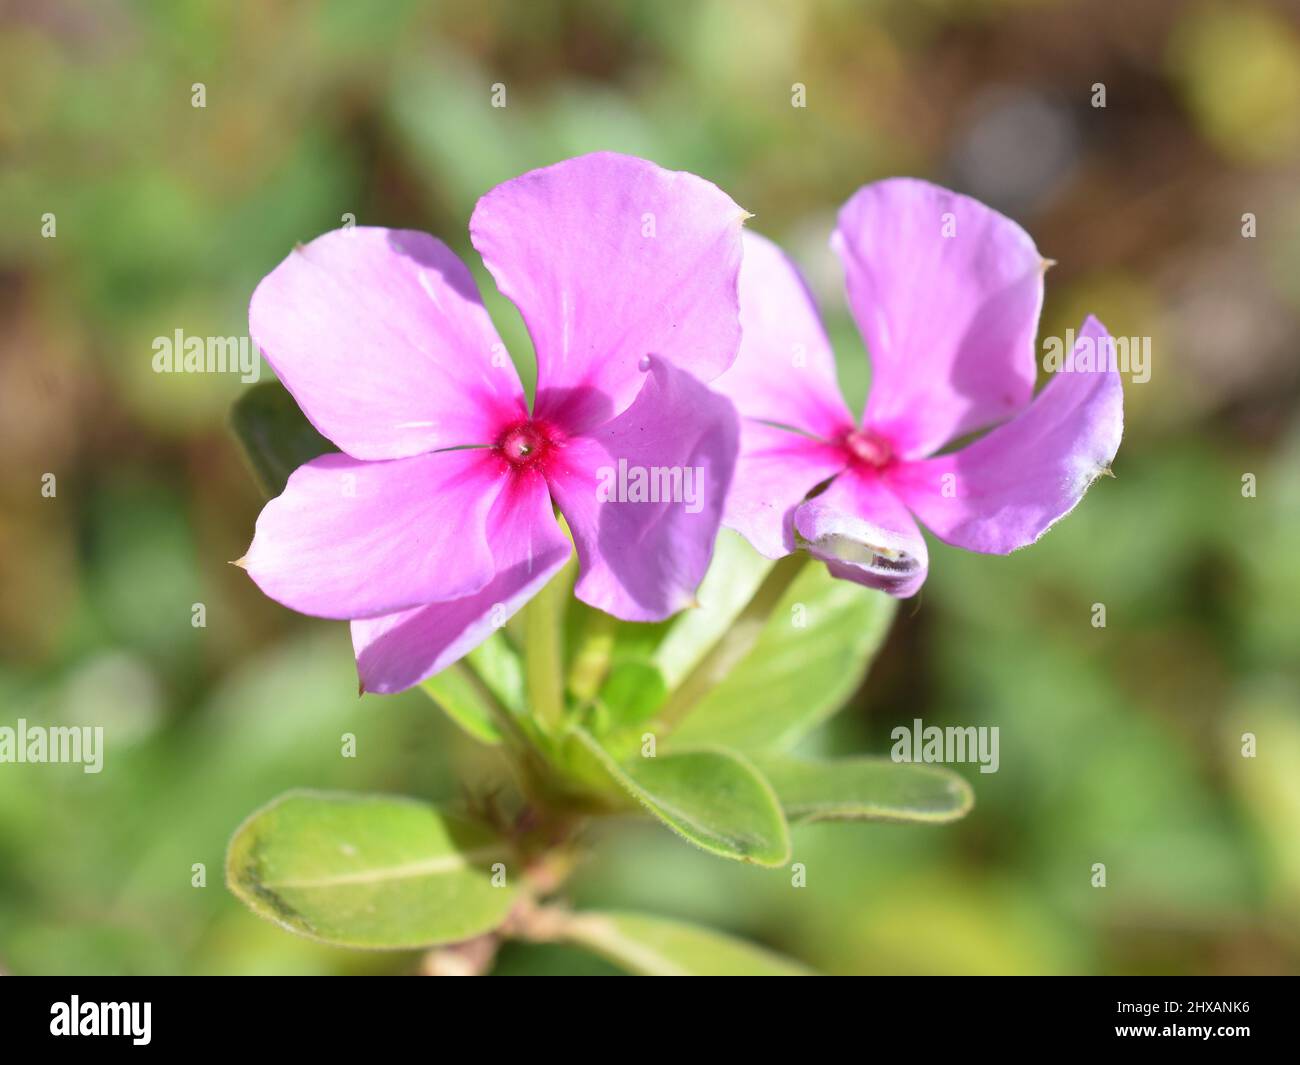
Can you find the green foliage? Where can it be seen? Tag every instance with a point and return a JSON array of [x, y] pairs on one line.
[[811, 656], [632, 693], [370, 871], [866, 789], [711, 798], [276, 435], [767, 655], [654, 946]]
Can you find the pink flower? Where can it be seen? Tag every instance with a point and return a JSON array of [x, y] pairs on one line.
[[436, 523], [947, 294]]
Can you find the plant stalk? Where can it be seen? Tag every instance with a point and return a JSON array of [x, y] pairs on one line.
[[544, 651], [592, 660], [499, 712]]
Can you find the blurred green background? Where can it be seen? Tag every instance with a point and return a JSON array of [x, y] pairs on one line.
[[1119, 745]]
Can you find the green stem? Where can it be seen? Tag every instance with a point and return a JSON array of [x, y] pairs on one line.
[[733, 645], [500, 713], [591, 662], [544, 651], [531, 767]]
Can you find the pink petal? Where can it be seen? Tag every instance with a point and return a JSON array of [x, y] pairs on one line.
[[382, 339], [865, 534], [528, 547], [350, 539], [949, 320], [642, 561], [774, 474], [785, 371], [610, 258], [1009, 487]]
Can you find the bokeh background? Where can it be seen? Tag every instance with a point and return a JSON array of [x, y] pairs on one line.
[[1119, 745]]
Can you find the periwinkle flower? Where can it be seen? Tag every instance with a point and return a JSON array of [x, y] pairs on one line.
[[436, 521], [947, 294]]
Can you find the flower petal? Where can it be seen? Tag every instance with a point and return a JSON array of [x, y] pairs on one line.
[[610, 258], [528, 548], [785, 371], [1009, 487], [382, 339], [351, 539], [947, 293], [863, 533], [641, 559], [774, 474]]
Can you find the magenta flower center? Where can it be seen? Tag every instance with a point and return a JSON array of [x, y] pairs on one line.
[[526, 444], [867, 448]]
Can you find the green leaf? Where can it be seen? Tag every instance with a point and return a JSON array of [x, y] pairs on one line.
[[276, 435], [866, 789], [368, 871], [810, 658], [656, 946], [711, 798], [632, 692], [461, 699]]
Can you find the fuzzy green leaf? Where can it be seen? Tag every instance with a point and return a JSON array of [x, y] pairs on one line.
[[369, 871], [866, 789], [713, 798]]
